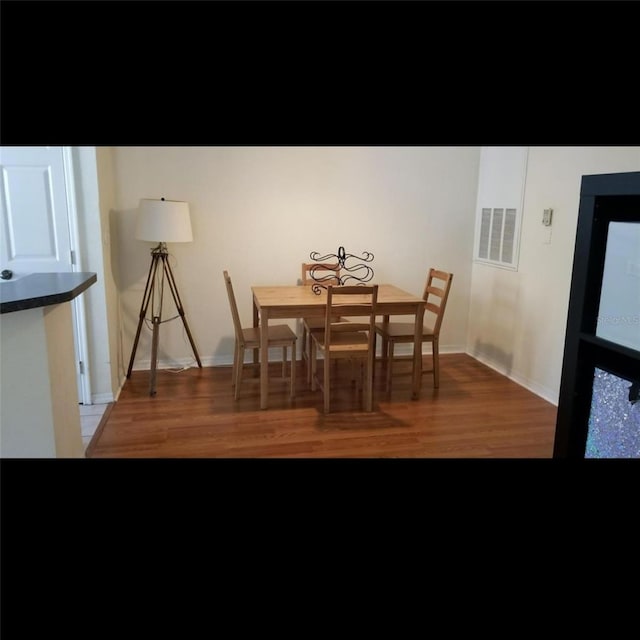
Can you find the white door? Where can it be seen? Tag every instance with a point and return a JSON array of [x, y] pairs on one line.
[[35, 224]]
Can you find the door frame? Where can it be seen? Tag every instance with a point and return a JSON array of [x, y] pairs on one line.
[[78, 304]]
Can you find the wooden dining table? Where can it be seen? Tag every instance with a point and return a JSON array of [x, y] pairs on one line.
[[278, 302]]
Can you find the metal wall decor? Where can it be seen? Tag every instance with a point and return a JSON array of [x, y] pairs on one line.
[[356, 273]]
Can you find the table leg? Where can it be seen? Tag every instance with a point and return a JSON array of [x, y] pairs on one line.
[[417, 352], [264, 359]]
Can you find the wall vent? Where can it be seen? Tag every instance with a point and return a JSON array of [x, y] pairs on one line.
[[497, 237]]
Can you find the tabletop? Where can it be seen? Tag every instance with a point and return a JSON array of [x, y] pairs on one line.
[[297, 300]]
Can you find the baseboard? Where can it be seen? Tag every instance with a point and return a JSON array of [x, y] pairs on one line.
[[106, 398], [123, 379], [406, 349], [101, 398], [530, 385], [187, 363], [275, 355]]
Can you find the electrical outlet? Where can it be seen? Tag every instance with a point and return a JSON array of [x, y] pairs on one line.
[[546, 217]]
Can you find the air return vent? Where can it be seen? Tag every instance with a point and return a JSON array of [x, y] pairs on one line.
[[497, 236]]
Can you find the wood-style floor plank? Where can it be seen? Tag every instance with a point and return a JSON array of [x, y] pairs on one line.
[[476, 413]]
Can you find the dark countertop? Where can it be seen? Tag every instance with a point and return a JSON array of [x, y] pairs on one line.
[[43, 289]]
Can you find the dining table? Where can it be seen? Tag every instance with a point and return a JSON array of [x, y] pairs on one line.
[[296, 301]]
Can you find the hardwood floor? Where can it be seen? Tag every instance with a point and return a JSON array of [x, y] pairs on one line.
[[476, 413]]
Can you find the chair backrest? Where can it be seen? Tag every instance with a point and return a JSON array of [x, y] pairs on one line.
[[234, 307], [436, 293], [356, 301], [323, 272]]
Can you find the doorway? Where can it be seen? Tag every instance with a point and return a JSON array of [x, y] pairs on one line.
[[39, 229]]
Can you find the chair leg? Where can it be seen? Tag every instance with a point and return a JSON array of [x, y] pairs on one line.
[[314, 363], [375, 337], [371, 367], [308, 345], [436, 364], [368, 397], [304, 355], [391, 349], [293, 370], [235, 365], [239, 368], [256, 358], [384, 355], [326, 383]]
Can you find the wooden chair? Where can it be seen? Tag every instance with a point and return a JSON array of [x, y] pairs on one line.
[[351, 340], [436, 293], [311, 325], [280, 335]]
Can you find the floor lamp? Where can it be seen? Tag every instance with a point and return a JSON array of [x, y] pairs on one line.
[[161, 221]]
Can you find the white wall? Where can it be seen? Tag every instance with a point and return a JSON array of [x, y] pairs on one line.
[[106, 200], [517, 320], [259, 211], [100, 298]]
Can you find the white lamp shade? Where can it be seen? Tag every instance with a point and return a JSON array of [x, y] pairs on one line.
[[163, 221]]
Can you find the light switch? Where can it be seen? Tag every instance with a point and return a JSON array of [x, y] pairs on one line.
[[546, 217]]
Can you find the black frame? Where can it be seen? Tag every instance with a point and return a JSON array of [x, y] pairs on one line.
[[605, 198]]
